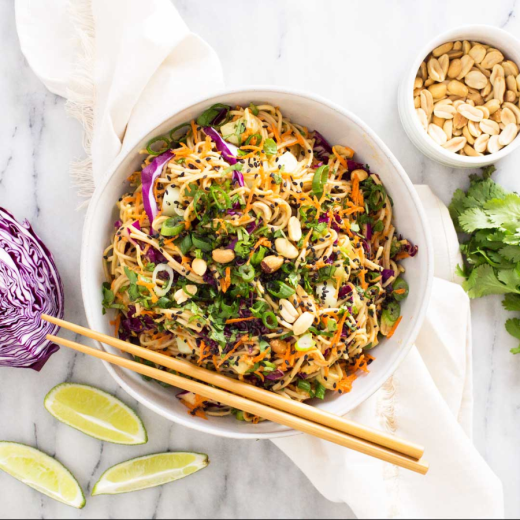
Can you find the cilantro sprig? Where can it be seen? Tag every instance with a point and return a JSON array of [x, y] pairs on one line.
[[490, 216]]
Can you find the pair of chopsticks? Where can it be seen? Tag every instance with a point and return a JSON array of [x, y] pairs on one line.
[[253, 400]]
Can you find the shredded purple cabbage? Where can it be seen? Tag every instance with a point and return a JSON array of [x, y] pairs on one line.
[[274, 376], [386, 274], [232, 244], [410, 248], [220, 117], [344, 291], [238, 178], [148, 177], [155, 257], [136, 324], [30, 286], [229, 151], [354, 165], [322, 148], [369, 232]]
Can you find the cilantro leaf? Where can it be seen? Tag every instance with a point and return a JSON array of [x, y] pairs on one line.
[[488, 171], [504, 211], [473, 219], [483, 281], [513, 327], [511, 302], [511, 253]]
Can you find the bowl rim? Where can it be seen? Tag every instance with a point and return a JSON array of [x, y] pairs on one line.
[[407, 85], [426, 249]]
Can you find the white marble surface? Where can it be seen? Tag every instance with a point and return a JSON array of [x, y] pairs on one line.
[[353, 52]]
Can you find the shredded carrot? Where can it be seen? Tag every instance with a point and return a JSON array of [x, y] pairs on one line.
[[393, 329], [355, 189], [259, 374], [238, 320], [202, 355], [261, 356], [249, 200], [342, 160], [241, 341], [300, 139], [228, 278], [276, 133], [345, 385], [364, 284], [150, 287], [195, 408], [337, 335], [402, 255], [400, 291], [194, 129], [116, 324]]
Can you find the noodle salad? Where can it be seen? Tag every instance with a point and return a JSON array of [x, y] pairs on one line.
[[250, 246]]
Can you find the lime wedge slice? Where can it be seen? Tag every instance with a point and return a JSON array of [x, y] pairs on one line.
[[96, 413], [41, 472], [149, 471]]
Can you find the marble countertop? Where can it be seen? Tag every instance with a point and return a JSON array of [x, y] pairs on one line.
[[353, 53]]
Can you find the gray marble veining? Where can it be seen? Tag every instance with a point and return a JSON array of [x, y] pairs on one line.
[[353, 53]]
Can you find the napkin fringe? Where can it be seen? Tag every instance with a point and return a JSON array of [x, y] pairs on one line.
[[386, 405], [81, 93]]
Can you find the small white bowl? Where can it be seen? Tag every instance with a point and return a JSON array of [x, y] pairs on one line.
[[338, 126], [486, 34]]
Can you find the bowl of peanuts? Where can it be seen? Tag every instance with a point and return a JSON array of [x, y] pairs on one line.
[[460, 103]]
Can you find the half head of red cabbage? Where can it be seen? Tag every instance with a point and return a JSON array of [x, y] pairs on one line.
[[30, 286]]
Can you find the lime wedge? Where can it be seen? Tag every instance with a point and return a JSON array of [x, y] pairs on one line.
[[41, 472], [96, 413], [149, 471]]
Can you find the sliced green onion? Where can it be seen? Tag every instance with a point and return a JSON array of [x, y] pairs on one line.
[[199, 243], [185, 244], [390, 314], [246, 272], [305, 343], [220, 197], [173, 131], [319, 180], [320, 391], [159, 139], [305, 386], [250, 138], [375, 202], [332, 325], [258, 308], [270, 147], [254, 368], [270, 320], [254, 109], [280, 289], [400, 285], [172, 227], [263, 345], [258, 255]]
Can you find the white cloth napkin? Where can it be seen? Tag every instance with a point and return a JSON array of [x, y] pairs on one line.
[[122, 64]]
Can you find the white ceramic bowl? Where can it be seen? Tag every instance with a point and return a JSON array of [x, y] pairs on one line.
[[338, 126], [494, 36]]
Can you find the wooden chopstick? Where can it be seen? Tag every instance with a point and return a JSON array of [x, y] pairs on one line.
[[252, 392], [252, 407]]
